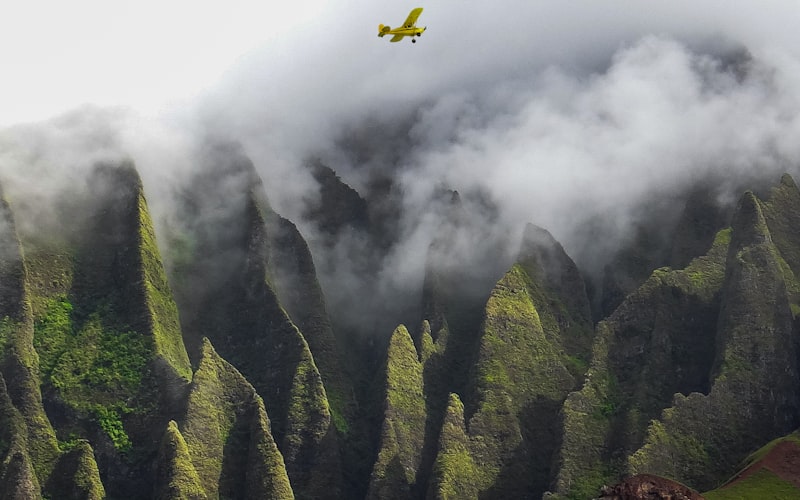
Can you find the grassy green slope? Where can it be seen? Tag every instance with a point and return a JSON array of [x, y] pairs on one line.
[[642, 355], [403, 431], [227, 288], [757, 480], [30, 446], [753, 397], [455, 473], [227, 435]]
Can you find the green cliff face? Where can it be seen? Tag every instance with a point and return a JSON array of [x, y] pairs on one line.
[[697, 367], [643, 354], [295, 280], [402, 435], [753, 396], [29, 448], [520, 365], [107, 332], [532, 348], [76, 475], [661, 236], [455, 473], [506, 390], [238, 308], [176, 476], [227, 438], [17, 476], [102, 331]]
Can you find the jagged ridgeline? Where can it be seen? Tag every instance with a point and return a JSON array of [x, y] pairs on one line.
[[694, 370], [522, 358], [244, 278], [91, 319], [97, 394], [226, 381], [698, 367]]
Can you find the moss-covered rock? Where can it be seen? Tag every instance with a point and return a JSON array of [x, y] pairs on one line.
[[176, 477], [403, 431], [76, 476], [754, 394], [239, 310], [534, 342], [19, 363], [642, 355], [455, 473], [224, 417]]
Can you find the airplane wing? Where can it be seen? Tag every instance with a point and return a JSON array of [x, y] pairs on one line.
[[397, 38], [412, 18]]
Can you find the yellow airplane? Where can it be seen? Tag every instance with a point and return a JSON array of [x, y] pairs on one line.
[[409, 28]]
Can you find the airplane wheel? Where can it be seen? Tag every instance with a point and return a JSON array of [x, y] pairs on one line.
[[413, 40]]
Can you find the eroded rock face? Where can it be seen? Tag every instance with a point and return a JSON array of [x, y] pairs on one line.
[[504, 392], [243, 255]]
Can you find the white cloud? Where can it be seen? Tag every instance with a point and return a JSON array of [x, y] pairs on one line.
[[560, 111]]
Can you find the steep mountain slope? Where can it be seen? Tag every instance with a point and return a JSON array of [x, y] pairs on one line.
[[394, 474], [112, 361], [28, 446], [227, 436], [755, 366], [237, 386], [721, 331], [89, 320], [226, 283], [521, 362]]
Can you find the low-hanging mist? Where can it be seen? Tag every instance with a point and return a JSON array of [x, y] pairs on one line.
[[574, 119]]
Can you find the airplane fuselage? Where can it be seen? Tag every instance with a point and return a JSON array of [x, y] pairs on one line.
[[403, 32]]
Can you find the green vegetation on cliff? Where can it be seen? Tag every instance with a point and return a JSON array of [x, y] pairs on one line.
[[455, 473], [756, 367], [403, 431], [163, 311], [533, 344], [76, 475], [176, 477], [32, 446], [227, 434], [239, 310], [643, 354], [505, 391]]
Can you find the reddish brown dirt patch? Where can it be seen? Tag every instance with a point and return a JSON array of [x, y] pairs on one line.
[[783, 460], [649, 487]]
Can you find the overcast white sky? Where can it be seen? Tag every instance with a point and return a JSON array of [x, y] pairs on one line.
[[152, 54], [559, 110]]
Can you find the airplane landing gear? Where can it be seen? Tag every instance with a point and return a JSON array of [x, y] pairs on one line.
[[413, 40]]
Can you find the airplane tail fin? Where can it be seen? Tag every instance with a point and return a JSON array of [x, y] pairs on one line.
[[382, 30]]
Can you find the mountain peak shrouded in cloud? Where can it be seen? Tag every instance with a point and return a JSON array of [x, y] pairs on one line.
[[512, 190], [545, 116]]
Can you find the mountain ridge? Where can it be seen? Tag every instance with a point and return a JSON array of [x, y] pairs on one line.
[[210, 365]]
